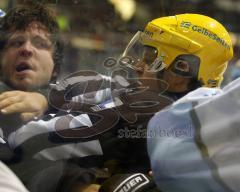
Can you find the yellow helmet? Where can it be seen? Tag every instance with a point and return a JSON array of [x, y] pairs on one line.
[[189, 34]]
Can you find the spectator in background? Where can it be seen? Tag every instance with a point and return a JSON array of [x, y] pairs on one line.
[[235, 72]]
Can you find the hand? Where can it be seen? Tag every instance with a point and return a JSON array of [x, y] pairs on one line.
[[29, 105]]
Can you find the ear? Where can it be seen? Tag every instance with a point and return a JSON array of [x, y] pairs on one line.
[[55, 73]]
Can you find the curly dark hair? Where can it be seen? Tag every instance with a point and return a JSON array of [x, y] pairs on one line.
[[21, 16]]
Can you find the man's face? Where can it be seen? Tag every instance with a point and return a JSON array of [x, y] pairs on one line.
[[27, 59]]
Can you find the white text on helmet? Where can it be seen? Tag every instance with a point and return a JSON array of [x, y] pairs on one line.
[[205, 32]]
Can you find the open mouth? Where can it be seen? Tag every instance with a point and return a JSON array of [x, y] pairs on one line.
[[23, 67]]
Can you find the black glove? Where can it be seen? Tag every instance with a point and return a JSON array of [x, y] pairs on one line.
[[136, 182]]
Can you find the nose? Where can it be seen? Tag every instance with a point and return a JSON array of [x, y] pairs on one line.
[[140, 67], [26, 50]]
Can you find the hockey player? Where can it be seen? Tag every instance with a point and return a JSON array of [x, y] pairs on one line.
[[191, 143]]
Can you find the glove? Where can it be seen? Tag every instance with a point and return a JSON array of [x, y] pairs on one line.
[[136, 182]]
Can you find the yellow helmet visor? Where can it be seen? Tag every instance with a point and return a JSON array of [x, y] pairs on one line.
[[138, 53]]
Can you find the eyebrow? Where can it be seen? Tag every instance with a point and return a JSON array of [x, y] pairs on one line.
[[48, 37], [19, 36]]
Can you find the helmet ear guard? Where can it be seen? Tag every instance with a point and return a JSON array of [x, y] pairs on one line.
[[186, 65]]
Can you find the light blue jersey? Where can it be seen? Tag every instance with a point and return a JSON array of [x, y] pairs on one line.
[[194, 144]]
